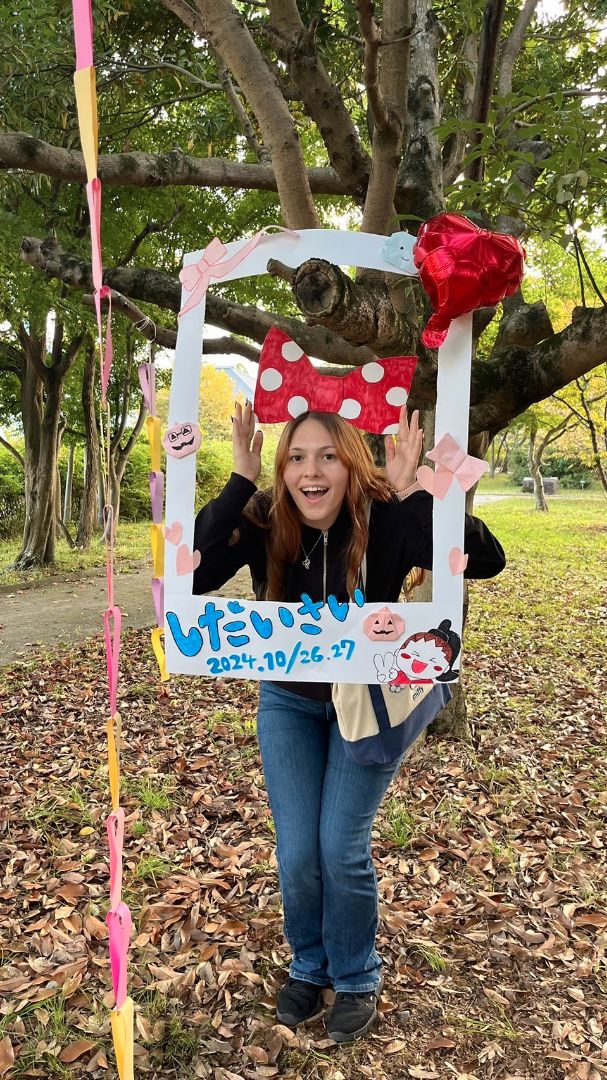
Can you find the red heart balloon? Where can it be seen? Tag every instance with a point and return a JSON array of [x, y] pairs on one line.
[[463, 268]]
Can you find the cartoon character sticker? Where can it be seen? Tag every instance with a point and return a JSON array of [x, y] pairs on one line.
[[182, 439], [424, 657]]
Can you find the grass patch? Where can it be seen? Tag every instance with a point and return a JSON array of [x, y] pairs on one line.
[[398, 825], [154, 794], [132, 548], [429, 953], [497, 1028], [66, 810], [45, 1024], [151, 868]]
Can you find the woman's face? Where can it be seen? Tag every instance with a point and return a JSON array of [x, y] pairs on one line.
[[316, 478]]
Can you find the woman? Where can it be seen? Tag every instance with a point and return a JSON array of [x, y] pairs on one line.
[[308, 534]]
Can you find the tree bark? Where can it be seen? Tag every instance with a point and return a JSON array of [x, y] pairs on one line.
[[535, 460], [41, 397], [69, 482], [21, 151]]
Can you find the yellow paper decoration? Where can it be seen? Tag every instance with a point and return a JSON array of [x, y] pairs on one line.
[[154, 431], [86, 103], [157, 544], [122, 1034], [113, 756], [157, 640]]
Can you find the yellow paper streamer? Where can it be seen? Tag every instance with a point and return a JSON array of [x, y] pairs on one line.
[[122, 1034], [157, 543], [153, 423], [157, 640], [113, 757], [86, 103]]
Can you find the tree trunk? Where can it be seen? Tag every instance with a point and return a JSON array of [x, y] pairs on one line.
[[69, 483], [41, 428], [534, 468], [89, 512]]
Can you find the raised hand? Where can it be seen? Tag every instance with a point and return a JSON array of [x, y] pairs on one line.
[[402, 454], [246, 443]]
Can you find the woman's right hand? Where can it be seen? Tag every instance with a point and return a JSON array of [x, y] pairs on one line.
[[246, 443]]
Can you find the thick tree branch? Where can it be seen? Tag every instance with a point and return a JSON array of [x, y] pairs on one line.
[[513, 47], [512, 220], [388, 139], [522, 324], [322, 101], [230, 36], [33, 348], [21, 151], [159, 288], [240, 112], [419, 188], [166, 338], [361, 311], [487, 60], [372, 40], [506, 385], [455, 147]]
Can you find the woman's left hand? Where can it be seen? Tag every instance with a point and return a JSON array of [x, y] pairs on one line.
[[402, 455]]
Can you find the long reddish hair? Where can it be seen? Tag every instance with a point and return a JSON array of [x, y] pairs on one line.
[[277, 511]]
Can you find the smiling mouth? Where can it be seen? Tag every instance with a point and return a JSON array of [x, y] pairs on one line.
[[313, 494]]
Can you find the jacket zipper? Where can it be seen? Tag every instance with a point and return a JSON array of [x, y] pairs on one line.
[[325, 539]]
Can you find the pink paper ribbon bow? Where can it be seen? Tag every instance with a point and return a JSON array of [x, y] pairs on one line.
[[452, 463], [196, 278]]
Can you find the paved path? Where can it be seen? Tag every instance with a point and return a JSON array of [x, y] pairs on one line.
[[68, 610]]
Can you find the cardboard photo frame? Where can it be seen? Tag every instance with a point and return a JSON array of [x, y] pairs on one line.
[[251, 639]]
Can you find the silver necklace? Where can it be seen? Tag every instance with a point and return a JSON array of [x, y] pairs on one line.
[[306, 560]]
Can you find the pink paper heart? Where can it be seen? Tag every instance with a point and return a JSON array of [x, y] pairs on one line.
[[458, 561], [435, 483], [186, 561], [173, 533]]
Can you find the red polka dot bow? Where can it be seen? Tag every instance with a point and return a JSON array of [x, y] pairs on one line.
[[463, 268], [288, 385]]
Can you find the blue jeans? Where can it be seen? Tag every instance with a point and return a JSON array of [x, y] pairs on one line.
[[323, 805]]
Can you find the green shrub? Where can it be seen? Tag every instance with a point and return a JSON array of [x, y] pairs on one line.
[[135, 488], [569, 468], [12, 506]]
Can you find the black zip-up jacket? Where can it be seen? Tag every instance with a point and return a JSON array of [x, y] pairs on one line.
[[400, 538]]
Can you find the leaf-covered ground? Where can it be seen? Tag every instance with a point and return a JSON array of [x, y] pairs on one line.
[[491, 857]]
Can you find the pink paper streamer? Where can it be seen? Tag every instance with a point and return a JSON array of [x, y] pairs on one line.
[[112, 621], [115, 835], [119, 925], [102, 292], [108, 353], [158, 598], [156, 495], [147, 381], [108, 530], [83, 32]]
